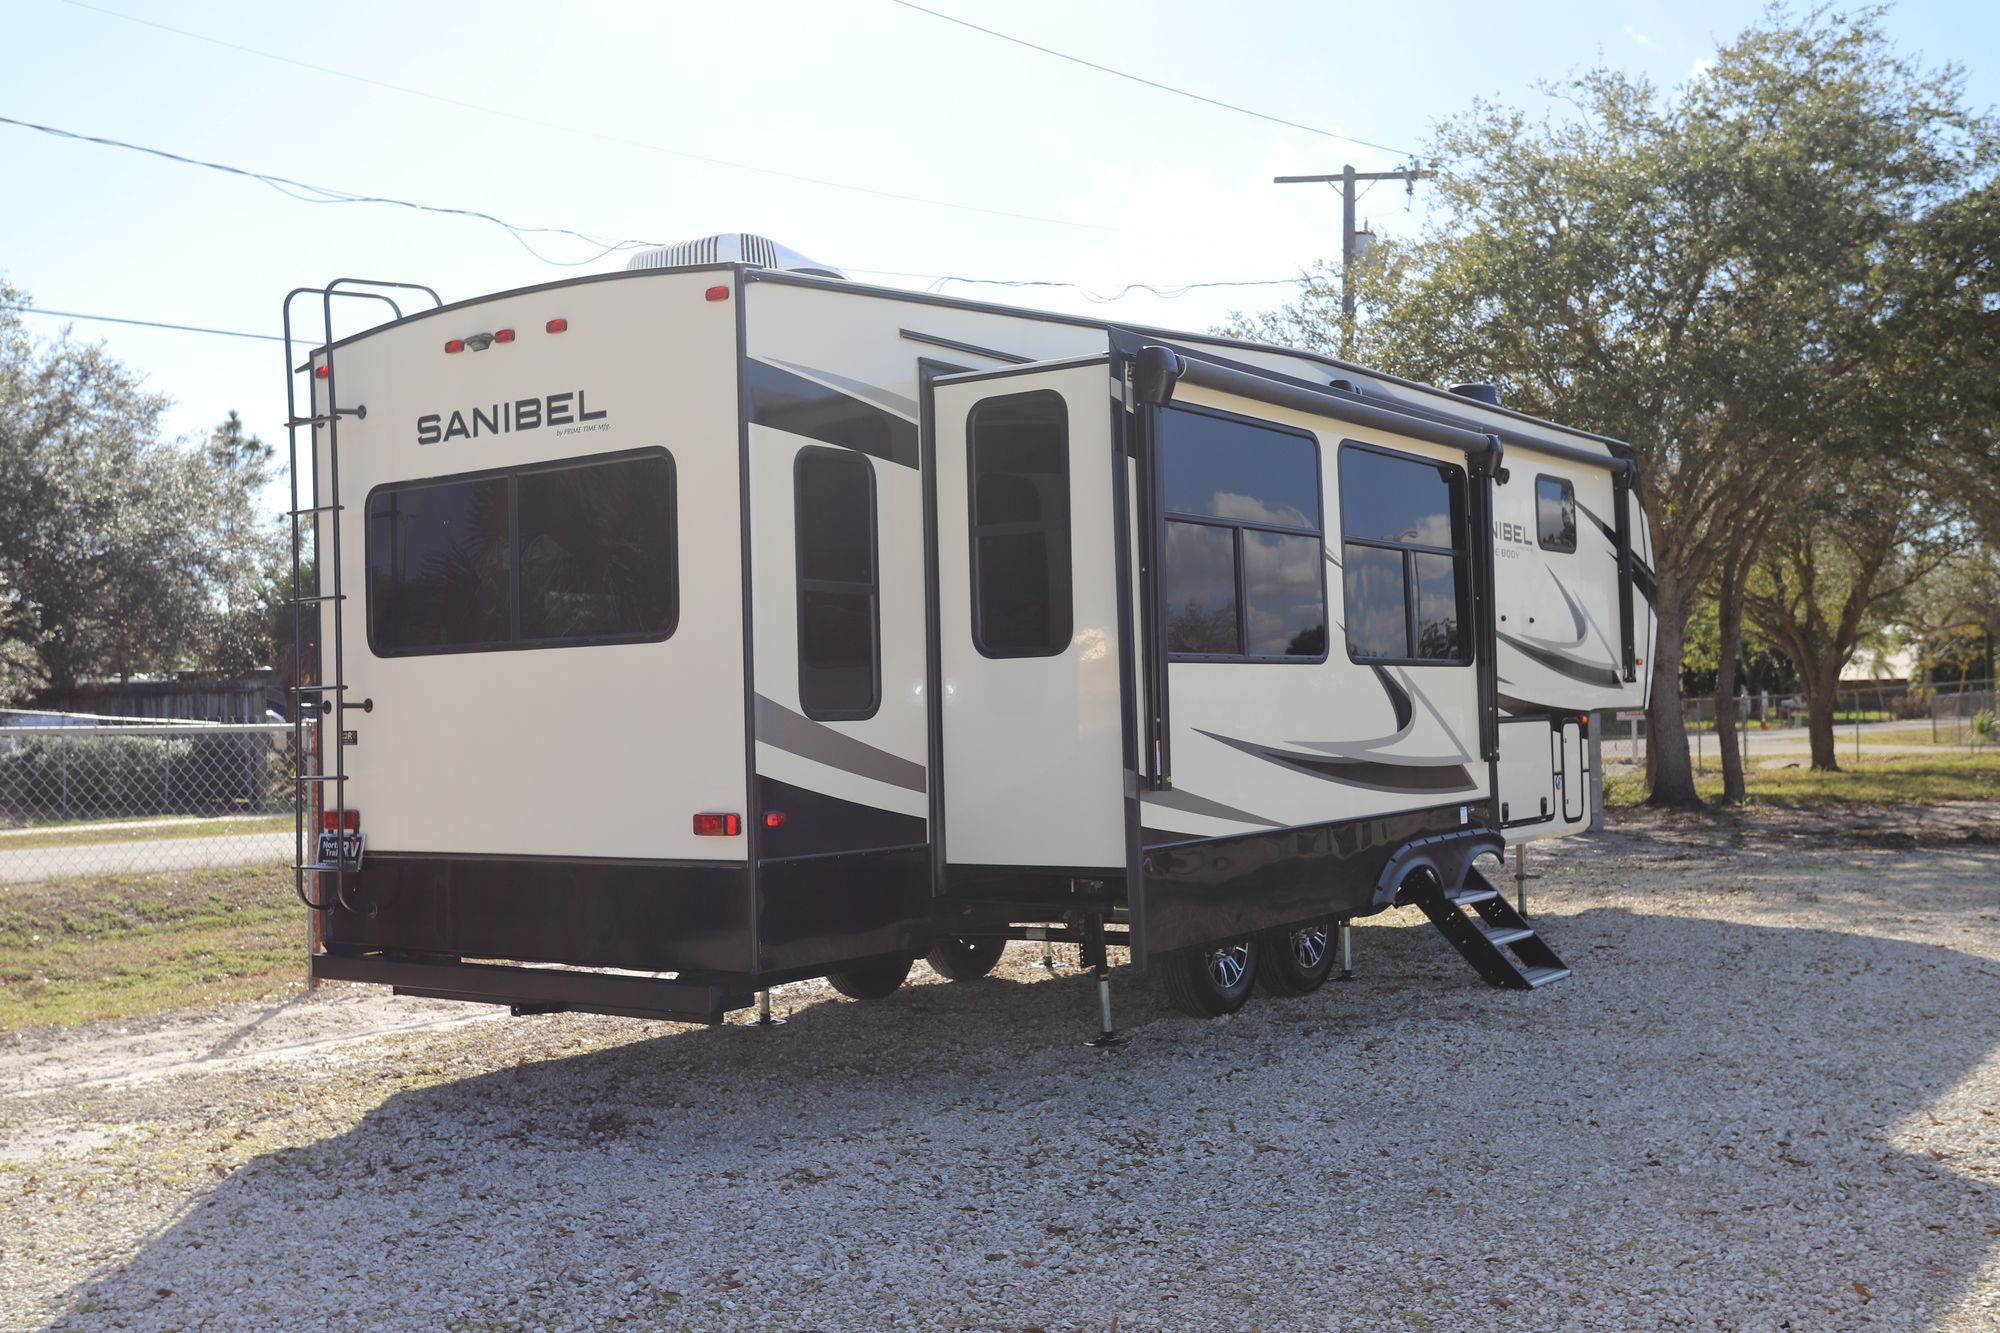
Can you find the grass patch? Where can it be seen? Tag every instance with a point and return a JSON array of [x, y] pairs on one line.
[[70, 835], [121, 945], [1912, 779]]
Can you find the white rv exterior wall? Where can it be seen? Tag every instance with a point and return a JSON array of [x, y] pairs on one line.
[[581, 751]]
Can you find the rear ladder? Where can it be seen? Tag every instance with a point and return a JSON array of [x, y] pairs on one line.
[[316, 791]]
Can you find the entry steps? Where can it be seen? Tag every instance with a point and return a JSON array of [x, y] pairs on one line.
[[1496, 939]]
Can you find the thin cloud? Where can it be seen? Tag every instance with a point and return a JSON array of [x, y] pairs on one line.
[[1640, 37]]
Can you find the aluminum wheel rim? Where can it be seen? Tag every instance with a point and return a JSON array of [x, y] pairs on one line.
[[1228, 965], [1309, 947]]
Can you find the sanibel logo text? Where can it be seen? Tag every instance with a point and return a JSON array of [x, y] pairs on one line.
[[557, 409]]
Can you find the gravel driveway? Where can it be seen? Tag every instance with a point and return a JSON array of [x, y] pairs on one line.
[[1767, 1099]]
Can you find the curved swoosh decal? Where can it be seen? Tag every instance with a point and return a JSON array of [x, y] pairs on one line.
[[798, 734], [1188, 803], [1575, 613], [1563, 664], [1370, 774], [1399, 700]]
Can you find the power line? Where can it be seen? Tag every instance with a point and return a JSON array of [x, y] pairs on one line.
[[1163, 87], [559, 127], [319, 194], [143, 323]]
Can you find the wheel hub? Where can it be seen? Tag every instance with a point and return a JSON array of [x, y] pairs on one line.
[[1227, 965]]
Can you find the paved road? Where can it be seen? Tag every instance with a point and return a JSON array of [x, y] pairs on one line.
[[31, 865]]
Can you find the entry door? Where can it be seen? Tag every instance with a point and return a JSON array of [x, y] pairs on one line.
[[1028, 617]]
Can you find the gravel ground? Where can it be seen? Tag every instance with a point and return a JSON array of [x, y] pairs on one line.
[[1766, 1100]]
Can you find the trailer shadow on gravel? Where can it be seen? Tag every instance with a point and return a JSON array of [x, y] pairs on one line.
[[1735, 1124]]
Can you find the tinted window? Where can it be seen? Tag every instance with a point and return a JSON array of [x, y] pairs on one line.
[[1391, 498], [1018, 475], [1238, 471], [1378, 617], [533, 558], [596, 559], [1402, 557], [1555, 513], [1198, 577], [1237, 577], [839, 640], [1284, 610]]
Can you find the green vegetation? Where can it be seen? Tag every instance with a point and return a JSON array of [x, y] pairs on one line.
[[69, 835], [118, 946], [1921, 779]]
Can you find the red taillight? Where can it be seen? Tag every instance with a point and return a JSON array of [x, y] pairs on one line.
[[556, 325], [717, 826], [717, 294], [774, 819], [322, 371], [504, 336], [455, 345], [327, 819]]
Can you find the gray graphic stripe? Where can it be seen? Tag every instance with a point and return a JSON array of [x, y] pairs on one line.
[[1563, 664], [797, 734], [1190, 804], [868, 393]]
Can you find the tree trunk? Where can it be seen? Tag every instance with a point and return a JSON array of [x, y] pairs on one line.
[[1669, 767], [1729, 609], [1822, 691]]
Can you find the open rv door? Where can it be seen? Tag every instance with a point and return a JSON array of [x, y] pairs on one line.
[[1028, 518]]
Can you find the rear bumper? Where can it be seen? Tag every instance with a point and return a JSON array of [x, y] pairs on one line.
[[539, 989]]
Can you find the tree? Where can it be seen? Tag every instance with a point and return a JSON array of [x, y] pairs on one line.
[[120, 552], [1831, 571], [1688, 272]]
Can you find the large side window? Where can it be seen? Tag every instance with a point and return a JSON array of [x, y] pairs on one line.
[[1402, 557], [1555, 513], [545, 557], [840, 644], [1019, 482], [1241, 562]]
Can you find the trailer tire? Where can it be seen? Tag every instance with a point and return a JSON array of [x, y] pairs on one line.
[[965, 958], [876, 979], [1295, 962], [1208, 983]]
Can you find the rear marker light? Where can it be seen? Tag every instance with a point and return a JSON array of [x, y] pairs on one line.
[[556, 325], [455, 345], [322, 372], [774, 819], [718, 826], [327, 819], [504, 336], [717, 294]]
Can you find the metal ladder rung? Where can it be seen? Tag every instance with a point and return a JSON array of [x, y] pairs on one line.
[[320, 777], [318, 509], [318, 689], [323, 597]]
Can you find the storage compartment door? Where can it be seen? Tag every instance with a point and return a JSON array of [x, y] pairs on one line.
[[1575, 799], [1527, 772], [1027, 619]]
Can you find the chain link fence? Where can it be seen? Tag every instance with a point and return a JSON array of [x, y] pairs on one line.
[[86, 795], [1882, 718]]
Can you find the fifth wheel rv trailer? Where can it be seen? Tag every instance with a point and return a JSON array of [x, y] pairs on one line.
[[720, 622]]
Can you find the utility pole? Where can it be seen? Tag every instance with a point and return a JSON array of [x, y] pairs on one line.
[[1349, 236]]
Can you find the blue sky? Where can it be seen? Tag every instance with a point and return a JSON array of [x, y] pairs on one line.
[[1119, 184]]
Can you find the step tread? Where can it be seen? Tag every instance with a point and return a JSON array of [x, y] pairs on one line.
[[1504, 934], [1465, 897], [1542, 976]]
